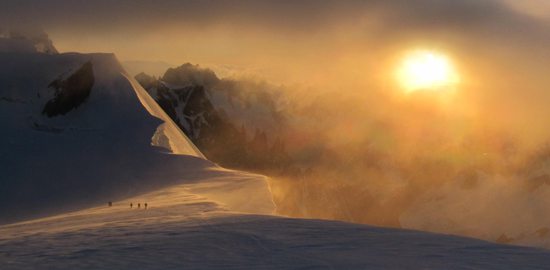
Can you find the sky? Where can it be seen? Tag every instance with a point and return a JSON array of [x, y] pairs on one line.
[[340, 45], [267, 35], [331, 44]]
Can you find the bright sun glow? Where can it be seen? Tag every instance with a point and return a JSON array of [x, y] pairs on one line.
[[426, 70]]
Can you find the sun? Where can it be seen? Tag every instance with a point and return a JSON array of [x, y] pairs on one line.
[[427, 70]]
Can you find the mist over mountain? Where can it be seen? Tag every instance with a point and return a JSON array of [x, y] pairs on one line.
[[274, 134], [25, 40], [154, 68], [235, 123], [335, 156]]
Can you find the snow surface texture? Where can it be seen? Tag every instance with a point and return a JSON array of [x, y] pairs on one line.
[[183, 228]]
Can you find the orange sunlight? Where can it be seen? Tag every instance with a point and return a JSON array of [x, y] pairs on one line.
[[427, 70]]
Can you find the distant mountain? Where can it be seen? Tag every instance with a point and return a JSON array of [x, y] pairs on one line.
[[154, 68], [233, 122]]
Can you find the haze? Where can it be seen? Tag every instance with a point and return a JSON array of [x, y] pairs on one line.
[[336, 61]]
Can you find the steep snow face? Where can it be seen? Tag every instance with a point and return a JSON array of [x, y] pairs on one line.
[[183, 228], [77, 131], [168, 135], [235, 123]]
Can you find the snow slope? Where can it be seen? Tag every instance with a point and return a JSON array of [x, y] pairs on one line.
[[77, 131], [178, 143], [183, 228]]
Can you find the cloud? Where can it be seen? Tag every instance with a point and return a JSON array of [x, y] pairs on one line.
[[274, 15], [288, 37]]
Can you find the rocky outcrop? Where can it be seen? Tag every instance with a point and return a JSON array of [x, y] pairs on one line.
[[188, 74], [70, 93], [145, 80], [193, 98]]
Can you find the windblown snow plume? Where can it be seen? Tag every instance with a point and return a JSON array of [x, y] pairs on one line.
[[25, 40]]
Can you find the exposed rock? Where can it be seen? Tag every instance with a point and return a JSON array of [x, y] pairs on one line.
[[188, 74], [71, 92], [188, 94], [145, 80]]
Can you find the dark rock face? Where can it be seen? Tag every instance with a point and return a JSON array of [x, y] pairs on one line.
[[196, 109], [207, 127], [71, 92], [145, 80], [188, 74], [183, 93]]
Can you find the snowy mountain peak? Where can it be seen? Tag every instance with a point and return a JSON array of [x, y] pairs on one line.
[[189, 74], [25, 40], [77, 130]]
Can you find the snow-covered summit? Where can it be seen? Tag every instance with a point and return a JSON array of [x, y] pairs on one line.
[[25, 40]]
